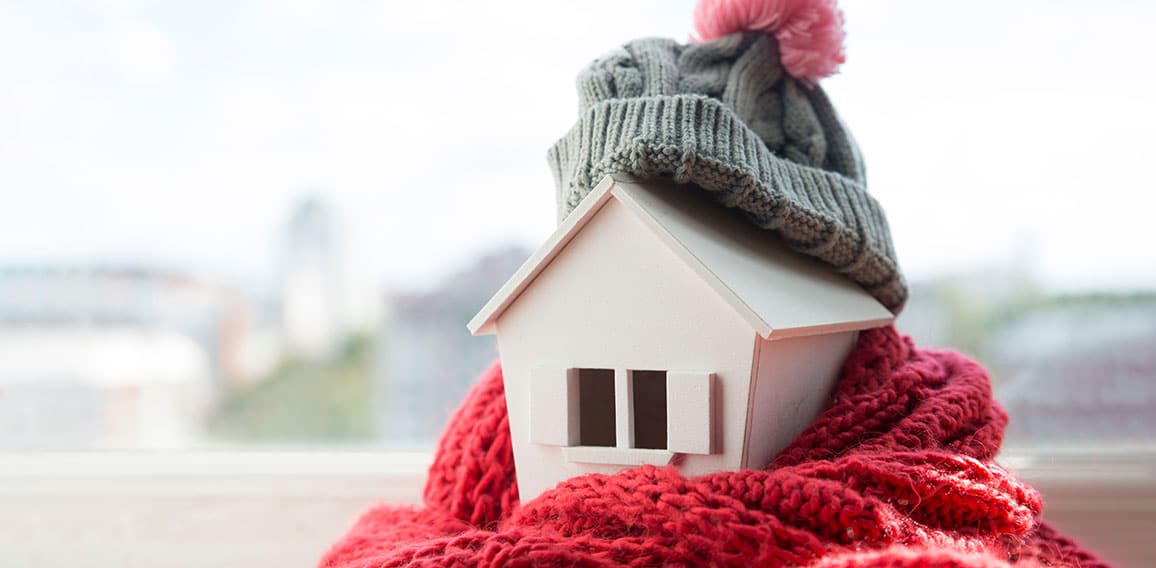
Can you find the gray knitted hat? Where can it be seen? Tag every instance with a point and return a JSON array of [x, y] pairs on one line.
[[725, 116]]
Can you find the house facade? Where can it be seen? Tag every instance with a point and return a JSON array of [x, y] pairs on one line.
[[654, 328]]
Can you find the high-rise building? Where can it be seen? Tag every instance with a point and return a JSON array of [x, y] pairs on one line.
[[311, 285]]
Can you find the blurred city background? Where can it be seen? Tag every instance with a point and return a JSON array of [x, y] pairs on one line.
[[265, 224]]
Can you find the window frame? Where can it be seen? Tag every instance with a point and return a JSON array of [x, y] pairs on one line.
[[624, 451]]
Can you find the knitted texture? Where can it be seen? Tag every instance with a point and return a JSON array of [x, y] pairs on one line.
[[809, 32], [897, 472], [725, 116]]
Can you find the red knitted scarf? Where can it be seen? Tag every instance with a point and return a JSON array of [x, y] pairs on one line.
[[897, 472]]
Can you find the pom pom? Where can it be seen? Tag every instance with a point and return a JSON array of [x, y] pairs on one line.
[[810, 32]]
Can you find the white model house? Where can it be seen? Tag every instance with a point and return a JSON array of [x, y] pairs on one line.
[[657, 327]]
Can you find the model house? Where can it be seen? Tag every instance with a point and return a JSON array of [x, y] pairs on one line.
[[656, 326]]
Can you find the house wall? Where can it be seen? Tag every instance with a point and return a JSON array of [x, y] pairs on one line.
[[794, 381], [617, 297]]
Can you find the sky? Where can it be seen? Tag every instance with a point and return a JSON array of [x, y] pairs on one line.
[[179, 134]]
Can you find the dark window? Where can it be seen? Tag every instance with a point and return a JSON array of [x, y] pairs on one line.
[[596, 407], [649, 389]]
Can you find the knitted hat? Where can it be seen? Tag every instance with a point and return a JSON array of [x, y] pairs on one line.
[[741, 116]]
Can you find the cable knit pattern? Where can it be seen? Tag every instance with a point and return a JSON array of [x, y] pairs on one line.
[[724, 116], [897, 473]]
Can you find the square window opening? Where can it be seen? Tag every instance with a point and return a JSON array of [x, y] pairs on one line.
[[649, 393], [596, 412]]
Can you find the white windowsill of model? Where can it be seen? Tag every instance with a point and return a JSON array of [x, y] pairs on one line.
[[617, 456]]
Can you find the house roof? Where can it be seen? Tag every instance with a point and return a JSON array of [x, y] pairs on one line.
[[779, 292]]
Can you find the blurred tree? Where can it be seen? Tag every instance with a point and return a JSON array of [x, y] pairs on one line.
[[304, 401]]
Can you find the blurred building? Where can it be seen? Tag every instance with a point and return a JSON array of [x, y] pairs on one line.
[[1078, 372], [129, 355], [428, 359], [323, 302], [311, 281], [1072, 371], [108, 356]]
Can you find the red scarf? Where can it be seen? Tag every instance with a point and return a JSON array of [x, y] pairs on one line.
[[897, 472]]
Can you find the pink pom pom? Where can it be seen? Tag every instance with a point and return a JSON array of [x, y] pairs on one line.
[[810, 32]]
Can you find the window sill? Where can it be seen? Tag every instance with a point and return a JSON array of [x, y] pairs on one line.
[[166, 509], [283, 508], [617, 456], [385, 475]]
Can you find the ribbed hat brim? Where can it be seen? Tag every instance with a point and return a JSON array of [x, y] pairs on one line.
[[697, 139]]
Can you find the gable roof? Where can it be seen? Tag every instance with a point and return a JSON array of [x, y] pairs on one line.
[[779, 292]]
